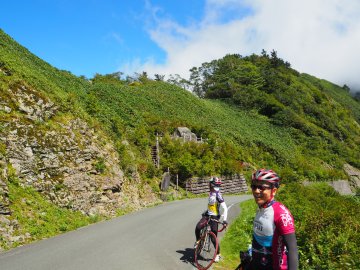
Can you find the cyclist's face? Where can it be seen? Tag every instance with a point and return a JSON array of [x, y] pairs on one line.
[[262, 193]]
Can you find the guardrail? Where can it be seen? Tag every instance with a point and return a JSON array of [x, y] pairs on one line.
[[230, 184]]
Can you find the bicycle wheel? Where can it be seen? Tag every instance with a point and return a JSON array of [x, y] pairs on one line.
[[205, 251]]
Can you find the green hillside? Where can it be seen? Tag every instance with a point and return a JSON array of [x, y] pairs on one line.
[[310, 141], [252, 112], [322, 117], [339, 94]]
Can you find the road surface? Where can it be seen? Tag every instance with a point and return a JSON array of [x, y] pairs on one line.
[[157, 238]]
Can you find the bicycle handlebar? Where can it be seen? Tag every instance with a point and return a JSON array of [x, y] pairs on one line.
[[220, 222]]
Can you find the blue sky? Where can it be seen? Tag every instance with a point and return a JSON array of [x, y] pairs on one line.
[[85, 37]]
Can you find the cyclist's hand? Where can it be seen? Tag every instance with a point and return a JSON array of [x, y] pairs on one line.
[[225, 223]]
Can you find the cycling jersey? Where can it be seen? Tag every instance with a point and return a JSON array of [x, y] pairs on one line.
[[271, 223], [215, 199]]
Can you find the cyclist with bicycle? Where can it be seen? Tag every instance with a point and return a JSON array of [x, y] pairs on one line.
[[215, 201], [274, 245]]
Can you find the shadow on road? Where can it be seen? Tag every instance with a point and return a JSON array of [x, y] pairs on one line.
[[187, 255]]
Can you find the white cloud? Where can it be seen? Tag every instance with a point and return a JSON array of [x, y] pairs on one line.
[[319, 37]]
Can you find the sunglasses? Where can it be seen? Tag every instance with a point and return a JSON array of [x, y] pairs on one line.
[[261, 188]]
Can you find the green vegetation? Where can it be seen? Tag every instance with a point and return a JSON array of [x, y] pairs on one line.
[[238, 236], [256, 109], [253, 111], [38, 217], [322, 118], [328, 235], [327, 228]]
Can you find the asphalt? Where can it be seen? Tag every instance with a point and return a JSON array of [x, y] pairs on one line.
[[160, 237]]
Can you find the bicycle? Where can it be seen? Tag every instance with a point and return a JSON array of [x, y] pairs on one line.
[[245, 258], [207, 247]]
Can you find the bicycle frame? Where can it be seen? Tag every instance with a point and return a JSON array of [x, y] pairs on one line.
[[207, 247]]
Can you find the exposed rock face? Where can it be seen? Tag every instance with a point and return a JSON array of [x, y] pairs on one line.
[[63, 165], [70, 163], [4, 191], [348, 187], [342, 186], [345, 187], [354, 175]]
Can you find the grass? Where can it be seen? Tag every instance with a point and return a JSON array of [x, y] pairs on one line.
[[237, 237], [39, 217]]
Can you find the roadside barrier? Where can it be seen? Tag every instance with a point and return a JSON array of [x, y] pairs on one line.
[[230, 184]]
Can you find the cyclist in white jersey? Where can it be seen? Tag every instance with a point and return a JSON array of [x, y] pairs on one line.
[[215, 201]]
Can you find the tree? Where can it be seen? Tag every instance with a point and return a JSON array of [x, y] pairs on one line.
[[179, 81], [159, 77], [276, 61], [196, 83], [143, 77], [346, 88], [112, 77], [264, 54]]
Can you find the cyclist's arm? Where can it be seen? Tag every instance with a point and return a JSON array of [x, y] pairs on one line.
[[224, 207], [291, 246]]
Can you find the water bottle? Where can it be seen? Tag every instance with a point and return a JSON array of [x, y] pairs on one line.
[[250, 249]]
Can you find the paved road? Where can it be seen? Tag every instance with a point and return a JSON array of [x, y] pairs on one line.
[[156, 238]]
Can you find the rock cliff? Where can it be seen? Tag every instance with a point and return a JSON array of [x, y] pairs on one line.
[[65, 159]]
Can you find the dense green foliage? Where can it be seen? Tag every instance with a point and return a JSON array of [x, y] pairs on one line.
[[327, 228], [158, 108], [258, 111], [323, 117]]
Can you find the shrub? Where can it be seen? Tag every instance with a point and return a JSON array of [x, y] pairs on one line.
[[327, 226]]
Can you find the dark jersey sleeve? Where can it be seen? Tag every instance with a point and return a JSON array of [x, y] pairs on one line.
[[291, 246]]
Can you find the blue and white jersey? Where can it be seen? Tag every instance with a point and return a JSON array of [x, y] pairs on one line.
[[264, 226], [270, 224]]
